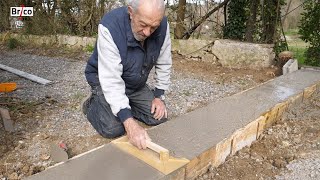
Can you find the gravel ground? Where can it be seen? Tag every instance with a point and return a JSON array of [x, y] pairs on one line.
[[68, 88], [50, 114], [306, 168], [186, 93]]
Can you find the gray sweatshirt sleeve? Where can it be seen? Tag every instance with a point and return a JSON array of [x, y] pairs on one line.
[[110, 70], [163, 66]]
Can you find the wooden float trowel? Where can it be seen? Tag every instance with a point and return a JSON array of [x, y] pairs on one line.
[[156, 156]]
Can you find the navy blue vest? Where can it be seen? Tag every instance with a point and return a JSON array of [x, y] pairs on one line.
[[136, 60]]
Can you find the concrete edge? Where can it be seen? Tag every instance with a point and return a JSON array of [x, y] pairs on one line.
[[74, 157], [243, 137]]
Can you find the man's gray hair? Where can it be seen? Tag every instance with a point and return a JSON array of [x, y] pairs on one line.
[[135, 4]]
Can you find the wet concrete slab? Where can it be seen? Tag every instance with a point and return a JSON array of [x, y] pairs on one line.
[[107, 162], [191, 134], [186, 136]]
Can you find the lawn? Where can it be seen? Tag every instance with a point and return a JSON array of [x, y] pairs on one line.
[[296, 45]]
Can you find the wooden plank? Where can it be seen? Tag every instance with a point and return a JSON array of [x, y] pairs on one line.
[[275, 113], [307, 92], [282, 108], [26, 75], [261, 125], [244, 136], [163, 164], [295, 100], [271, 116], [179, 174], [200, 164], [8, 123], [222, 151]]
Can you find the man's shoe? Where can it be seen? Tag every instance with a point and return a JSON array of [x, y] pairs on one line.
[[85, 103]]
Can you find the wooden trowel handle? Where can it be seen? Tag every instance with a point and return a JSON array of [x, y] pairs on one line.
[[164, 153]]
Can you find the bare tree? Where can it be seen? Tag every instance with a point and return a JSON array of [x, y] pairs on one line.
[[188, 33], [285, 15], [178, 32]]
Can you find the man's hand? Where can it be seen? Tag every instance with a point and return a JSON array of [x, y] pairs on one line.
[[137, 135], [159, 109]]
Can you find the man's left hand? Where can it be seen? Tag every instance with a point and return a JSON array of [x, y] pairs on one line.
[[159, 109]]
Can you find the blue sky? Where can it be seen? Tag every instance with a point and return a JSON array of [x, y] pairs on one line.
[[202, 1]]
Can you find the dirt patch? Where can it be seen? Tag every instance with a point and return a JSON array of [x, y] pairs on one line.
[[46, 115], [294, 137], [218, 73], [26, 151]]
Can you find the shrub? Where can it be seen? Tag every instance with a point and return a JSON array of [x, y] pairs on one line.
[[12, 43], [313, 56], [310, 31]]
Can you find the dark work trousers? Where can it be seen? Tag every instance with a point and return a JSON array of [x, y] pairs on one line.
[[100, 116]]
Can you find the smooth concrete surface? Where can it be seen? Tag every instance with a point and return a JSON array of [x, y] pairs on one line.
[[191, 134], [107, 163]]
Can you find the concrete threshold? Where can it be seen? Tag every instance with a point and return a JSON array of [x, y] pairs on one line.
[[205, 136], [106, 162]]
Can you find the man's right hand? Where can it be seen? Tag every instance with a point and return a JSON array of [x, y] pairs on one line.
[[137, 135]]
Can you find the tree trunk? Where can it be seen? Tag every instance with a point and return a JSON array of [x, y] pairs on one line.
[[269, 20], [53, 11], [225, 13], [276, 25], [5, 12], [251, 22], [102, 8], [178, 32], [285, 15]]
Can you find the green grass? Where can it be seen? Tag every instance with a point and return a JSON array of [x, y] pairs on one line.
[[296, 45], [292, 32], [89, 48], [298, 53]]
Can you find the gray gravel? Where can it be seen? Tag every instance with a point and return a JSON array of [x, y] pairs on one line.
[[68, 89], [307, 168], [186, 93]]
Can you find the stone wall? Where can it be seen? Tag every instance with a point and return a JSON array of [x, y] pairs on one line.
[[226, 52], [199, 50], [223, 52], [70, 41], [239, 54]]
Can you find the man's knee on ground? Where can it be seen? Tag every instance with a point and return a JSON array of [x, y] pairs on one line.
[[154, 122], [112, 133]]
